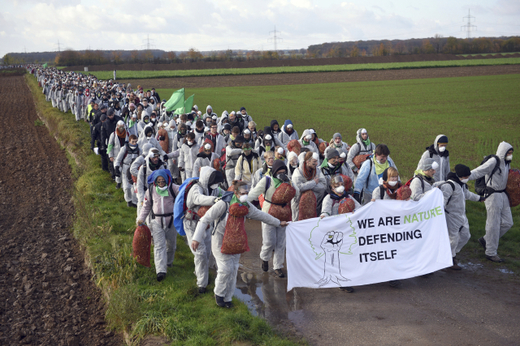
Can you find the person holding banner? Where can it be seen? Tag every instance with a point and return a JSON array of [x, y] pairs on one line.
[[423, 179], [334, 198], [273, 237], [229, 240], [391, 183], [456, 193]]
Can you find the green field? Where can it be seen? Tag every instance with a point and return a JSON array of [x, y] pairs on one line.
[[476, 113], [485, 54], [301, 69]]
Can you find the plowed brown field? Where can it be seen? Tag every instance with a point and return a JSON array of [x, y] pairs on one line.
[[46, 293]]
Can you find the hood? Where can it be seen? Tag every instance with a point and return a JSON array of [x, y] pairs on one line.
[[274, 122], [436, 141], [205, 173], [358, 136], [304, 134], [285, 124], [502, 150]]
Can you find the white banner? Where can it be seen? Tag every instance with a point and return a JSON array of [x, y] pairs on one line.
[[385, 240]]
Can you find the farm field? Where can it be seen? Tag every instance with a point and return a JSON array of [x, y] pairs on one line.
[[125, 74], [476, 113]]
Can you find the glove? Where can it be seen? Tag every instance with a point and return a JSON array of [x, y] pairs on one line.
[[117, 172], [357, 197], [165, 157], [482, 199]]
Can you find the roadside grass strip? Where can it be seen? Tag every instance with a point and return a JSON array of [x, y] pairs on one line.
[[123, 74], [138, 305]]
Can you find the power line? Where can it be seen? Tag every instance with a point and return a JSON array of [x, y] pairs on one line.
[[59, 50], [469, 27], [275, 38], [147, 43]]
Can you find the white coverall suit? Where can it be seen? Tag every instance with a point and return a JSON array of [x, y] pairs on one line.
[[499, 218], [225, 282], [197, 197]]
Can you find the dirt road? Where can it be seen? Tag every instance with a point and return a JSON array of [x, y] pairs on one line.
[[479, 305], [46, 293], [321, 77]]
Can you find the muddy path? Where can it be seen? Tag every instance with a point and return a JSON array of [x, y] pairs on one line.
[[320, 77], [479, 305], [46, 293]]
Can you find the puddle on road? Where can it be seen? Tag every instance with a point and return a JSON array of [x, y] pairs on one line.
[[266, 296], [471, 266]]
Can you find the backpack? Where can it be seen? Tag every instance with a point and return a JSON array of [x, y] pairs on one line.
[[223, 160], [418, 177], [180, 207], [453, 188], [481, 183], [261, 198]]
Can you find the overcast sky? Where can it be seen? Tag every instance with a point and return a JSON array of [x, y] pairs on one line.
[[34, 26]]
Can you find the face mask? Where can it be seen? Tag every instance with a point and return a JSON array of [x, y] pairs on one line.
[[133, 146], [268, 148], [146, 121], [464, 181], [392, 183], [282, 177], [330, 165], [163, 188], [378, 162], [442, 149], [213, 187], [340, 189], [509, 157], [243, 198], [148, 138], [190, 142]]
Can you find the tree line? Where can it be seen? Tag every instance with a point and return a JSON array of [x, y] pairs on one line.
[[434, 45]]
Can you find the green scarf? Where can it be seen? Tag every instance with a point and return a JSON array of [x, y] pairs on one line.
[[380, 167], [367, 142], [131, 123], [425, 177], [161, 193], [267, 147], [277, 182], [325, 163], [305, 142], [236, 200]]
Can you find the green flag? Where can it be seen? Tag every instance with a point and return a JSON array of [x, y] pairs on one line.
[[188, 104], [176, 101], [45, 65]]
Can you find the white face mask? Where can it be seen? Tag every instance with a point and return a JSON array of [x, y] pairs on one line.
[[163, 188], [464, 181], [213, 187], [330, 165], [509, 157], [340, 189], [442, 149], [392, 183], [190, 142], [243, 198]]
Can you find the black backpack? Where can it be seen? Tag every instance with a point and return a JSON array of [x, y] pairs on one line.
[[481, 187]]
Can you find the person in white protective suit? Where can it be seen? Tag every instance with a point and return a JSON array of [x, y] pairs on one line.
[[188, 154], [455, 192], [306, 142], [152, 163], [308, 176], [273, 237], [499, 218], [117, 140], [423, 179], [225, 282], [247, 164], [363, 147], [437, 151], [158, 202], [233, 152], [128, 153], [204, 158], [200, 195]]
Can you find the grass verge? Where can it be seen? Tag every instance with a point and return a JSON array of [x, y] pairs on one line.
[[476, 113], [302, 69], [137, 304]]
